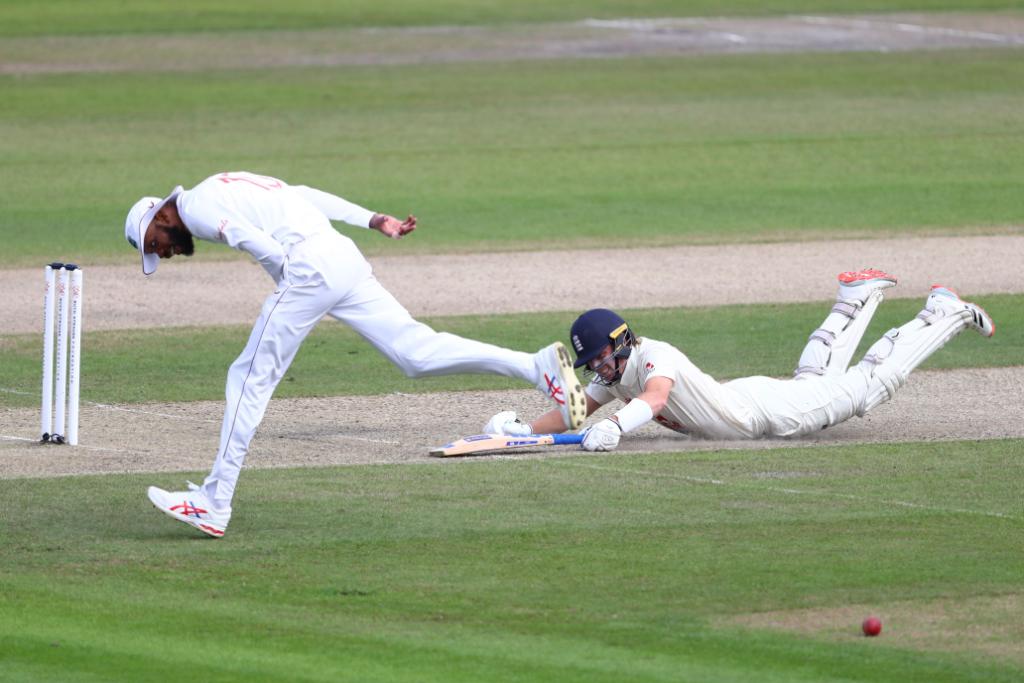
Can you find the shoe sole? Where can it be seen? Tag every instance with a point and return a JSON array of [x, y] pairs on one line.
[[978, 314], [575, 399], [206, 528], [862, 277]]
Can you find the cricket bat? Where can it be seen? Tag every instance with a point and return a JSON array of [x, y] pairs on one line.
[[481, 443]]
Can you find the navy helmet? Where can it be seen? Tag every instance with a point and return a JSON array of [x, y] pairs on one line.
[[595, 330]]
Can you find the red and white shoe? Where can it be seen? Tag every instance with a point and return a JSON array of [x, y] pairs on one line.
[[859, 284], [191, 507], [944, 300], [558, 381]]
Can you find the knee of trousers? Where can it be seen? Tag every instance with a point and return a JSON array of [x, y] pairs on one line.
[[884, 383], [411, 364], [883, 348], [412, 369], [891, 378], [414, 350]]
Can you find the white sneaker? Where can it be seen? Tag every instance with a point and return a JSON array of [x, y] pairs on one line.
[[191, 507], [945, 300], [859, 284], [558, 382]]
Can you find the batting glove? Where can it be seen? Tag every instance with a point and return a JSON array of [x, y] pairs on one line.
[[507, 424], [604, 436]]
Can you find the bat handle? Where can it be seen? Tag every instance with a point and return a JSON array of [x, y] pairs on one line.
[[566, 439]]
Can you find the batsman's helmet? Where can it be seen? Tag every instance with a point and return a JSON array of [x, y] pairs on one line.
[[595, 330]]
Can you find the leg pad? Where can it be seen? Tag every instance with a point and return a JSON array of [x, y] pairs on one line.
[[847, 308]]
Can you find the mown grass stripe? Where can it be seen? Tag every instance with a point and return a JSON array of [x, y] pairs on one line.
[[190, 364]]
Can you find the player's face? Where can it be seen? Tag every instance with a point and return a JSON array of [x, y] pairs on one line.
[[604, 365], [166, 239]]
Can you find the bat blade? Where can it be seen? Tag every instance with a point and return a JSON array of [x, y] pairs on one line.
[[482, 443]]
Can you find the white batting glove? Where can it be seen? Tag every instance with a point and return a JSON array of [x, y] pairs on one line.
[[604, 436], [507, 424]]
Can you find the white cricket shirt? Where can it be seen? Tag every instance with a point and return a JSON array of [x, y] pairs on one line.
[[263, 216], [697, 402]]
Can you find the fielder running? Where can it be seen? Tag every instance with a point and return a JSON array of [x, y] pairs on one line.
[[318, 272], [657, 381]]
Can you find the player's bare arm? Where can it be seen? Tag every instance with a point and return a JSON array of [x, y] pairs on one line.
[[390, 226], [656, 393], [604, 436], [551, 422]]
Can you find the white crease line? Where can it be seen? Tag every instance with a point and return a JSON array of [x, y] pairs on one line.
[[191, 418], [899, 503], [630, 24], [697, 480], [627, 24], [647, 25], [731, 37], [367, 440], [326, 438], [108, 406], [7, 437], [16, 438], [777, 489], [914, 28], [281, 436]]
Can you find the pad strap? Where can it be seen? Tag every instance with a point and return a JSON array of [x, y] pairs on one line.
[[880, 351], [823, 335], [846, 308]]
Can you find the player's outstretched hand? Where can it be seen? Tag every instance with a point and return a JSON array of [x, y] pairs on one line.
[[391, 226], [507, 424], [604, 436]]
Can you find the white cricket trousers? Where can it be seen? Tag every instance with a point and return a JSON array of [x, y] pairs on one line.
[[328, 275], [810, 403]]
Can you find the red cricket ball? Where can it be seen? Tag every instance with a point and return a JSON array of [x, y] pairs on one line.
[[872, 626]]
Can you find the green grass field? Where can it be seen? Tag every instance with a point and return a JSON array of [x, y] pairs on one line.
[[334, 360], [538, 154], [68, 17], [577, 569], [739, 565]]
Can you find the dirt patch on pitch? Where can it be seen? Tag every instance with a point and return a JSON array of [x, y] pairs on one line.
[[985, 625], [401, 428], [194, 293]]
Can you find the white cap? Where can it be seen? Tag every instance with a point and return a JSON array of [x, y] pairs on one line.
[[139, 218]]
